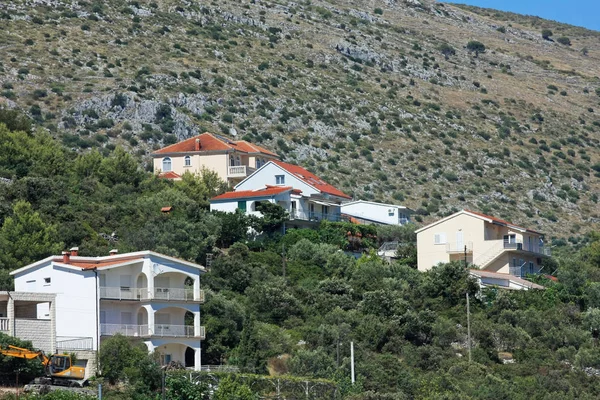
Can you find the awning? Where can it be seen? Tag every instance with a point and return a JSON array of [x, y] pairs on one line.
[[324, 203]]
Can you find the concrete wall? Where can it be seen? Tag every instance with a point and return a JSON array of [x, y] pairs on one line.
[[38, 331], [266, 176], [215, 162], [430, 254], [384, 213]]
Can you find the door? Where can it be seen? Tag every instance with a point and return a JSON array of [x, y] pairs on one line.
[[460, 242]]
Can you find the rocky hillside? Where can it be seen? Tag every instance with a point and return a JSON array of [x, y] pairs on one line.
[[422, 103]]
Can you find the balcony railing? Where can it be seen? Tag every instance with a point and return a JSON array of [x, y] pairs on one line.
[[4, 325], [139, 294], [314, 216], [72, 343], [162, 330], [508, 245], [239, 171], [459, 247]]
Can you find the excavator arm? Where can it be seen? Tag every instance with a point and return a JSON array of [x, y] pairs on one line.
[[19, 352]]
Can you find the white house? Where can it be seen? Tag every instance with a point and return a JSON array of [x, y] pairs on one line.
[[303, 194], [144, 294], [370, 212]]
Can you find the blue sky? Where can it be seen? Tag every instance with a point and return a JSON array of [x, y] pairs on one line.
[[575, 12]]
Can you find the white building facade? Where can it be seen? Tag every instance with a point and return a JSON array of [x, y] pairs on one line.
[[370, 212], [302, 194], [144, 295]]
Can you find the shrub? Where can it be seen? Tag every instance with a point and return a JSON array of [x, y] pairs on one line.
[[378, 11], [446, 50], [501, 29], [476, 47], [564, 40], [546, 33]]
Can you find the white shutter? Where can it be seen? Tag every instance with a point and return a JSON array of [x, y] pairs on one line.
[[439, 238]]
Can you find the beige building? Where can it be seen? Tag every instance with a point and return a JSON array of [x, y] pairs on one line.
[[232, 160], [489, 243]]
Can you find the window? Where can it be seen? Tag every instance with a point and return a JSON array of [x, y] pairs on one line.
[[187, 161], [391, 212], [125, 281], [280, 179], [242, 205], [166, 164], [531, 267], [510, 239], [47, 281], [439, 238]]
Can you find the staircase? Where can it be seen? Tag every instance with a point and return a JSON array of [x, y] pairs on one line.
[[486, 258]]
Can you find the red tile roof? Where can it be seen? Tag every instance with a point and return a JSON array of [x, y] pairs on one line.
[[501, 221], [248, 147], [210, 142], [311, 179], [169, 175], [267, 191], [92, 262]]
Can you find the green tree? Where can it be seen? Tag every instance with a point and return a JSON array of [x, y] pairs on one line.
[[564, 40], [446, 50], [26, 238], [15, 120], [28, 369], [475, 47], [120, 167], [546, 34], [122, 359], [231, 389]]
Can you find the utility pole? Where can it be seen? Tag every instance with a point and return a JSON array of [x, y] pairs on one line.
[[465, 256], [352, 361], [468, 327]]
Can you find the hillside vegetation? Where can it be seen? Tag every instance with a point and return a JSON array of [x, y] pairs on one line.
[[431, 105], [290, 305]]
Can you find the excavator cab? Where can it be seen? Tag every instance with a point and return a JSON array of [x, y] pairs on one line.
[[59, 363]]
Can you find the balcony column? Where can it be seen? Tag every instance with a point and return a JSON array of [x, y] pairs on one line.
[[10, 312], [196, 323], [197, 288], [150, 311], [197, 359]]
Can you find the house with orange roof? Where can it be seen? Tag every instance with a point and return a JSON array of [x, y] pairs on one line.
[[498, 249], [147, 296], [305, 196], [232, 160]]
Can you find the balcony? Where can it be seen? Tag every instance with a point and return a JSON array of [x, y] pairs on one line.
[[520, 246], [144, 294], [239, 171], [314, 216], [158, 330], [459, 247]]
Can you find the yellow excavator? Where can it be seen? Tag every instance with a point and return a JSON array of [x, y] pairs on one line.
[[58, 368]]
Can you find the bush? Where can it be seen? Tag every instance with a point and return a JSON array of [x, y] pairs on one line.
[[546, 33], [446, 50], [476, 47], [564, 40]]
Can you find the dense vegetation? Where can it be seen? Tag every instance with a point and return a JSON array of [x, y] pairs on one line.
[[295, 314]]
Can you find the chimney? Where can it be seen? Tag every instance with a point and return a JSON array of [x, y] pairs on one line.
[[197, 145], [74, 251], [66, 257], [113, 252]]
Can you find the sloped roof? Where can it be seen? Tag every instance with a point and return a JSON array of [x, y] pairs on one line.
[[210, 142], [87, 263], [512, 278], [169, 175], [266, 191], [311, 179], [481, 216], [501, 221]]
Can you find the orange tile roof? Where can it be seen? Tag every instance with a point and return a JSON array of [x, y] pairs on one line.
[[311, 179], [92, 262], [169, 175], [210, 142], [501, 221], [248, 147], [267, 191]]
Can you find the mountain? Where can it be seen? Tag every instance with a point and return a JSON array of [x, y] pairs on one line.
[[435, 106]]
